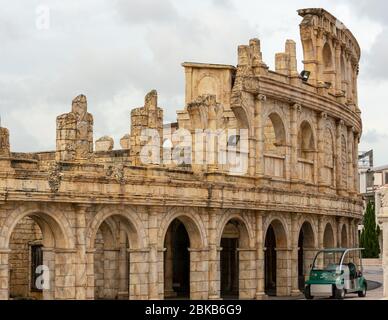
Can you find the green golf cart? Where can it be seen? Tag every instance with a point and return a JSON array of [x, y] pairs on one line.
[[336, 272]]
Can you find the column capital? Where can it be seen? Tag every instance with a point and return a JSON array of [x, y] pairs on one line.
[[261, 97], [297, 107], [82, 207]]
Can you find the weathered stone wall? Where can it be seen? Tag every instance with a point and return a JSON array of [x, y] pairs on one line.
[[25, 234]]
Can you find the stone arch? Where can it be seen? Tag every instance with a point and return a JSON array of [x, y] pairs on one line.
[[306, 141], [209, 85], [243, 226], [131, 222], [193, 224], [328, 236], [182, 235], [58, 228], [275, 138], [307, 243], [327, 56], [48, 244], [276, 262]]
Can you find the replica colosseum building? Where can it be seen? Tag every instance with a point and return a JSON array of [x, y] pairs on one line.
[[88, 221]]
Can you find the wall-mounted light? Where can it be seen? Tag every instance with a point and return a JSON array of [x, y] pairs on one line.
[[305, 75]]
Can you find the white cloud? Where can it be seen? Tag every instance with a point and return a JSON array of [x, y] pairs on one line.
[[115, 51]]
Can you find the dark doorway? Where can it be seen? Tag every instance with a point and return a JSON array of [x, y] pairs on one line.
[[301, 261], [229, 268], [179, 245], [270, 262]]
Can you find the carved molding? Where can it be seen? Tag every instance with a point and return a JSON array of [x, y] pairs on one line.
[[55, 177]]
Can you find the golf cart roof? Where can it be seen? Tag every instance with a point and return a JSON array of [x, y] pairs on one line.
[[341, 249]]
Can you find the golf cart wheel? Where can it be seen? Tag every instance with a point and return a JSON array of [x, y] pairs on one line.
[[307, 293], [362, 293], [339, 293]]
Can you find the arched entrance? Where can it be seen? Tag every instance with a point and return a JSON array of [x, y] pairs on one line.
[[26, 255], [270, 262], [34, 241], [234, 237], [113, 240], [276, 260], [305, 252], [177, 261]]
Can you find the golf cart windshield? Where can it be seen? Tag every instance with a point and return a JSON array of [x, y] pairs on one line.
[[338, 260], [328, 260]]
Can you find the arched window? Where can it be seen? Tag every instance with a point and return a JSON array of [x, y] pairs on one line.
[[274, 135], [306, 144], [327, 56]]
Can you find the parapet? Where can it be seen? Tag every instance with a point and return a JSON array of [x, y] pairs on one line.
[[75, 132]]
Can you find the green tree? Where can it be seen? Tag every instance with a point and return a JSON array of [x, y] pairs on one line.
[[370, 234]]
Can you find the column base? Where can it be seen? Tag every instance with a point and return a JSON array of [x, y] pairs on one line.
[[295, 293], [214, 297], [261, 296]]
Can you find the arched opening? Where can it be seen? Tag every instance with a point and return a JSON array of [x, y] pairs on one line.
[[177, 261], [344, 237], [229, 261], [327, 56], [274, 135], [328, 237], [113, 240], [306, 152], [306, 249], [306, 143], [32, 241], [275, 261], [26, 244], [233, 238], [274, 146]]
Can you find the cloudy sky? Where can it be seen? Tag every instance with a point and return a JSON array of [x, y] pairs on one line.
[[115, 51]]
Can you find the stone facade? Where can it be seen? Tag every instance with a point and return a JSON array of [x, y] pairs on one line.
[[112, 226]]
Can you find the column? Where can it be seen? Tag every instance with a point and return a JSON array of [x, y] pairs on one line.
[[214, 257], [383, 217], [168, 267], [340, 185], [322, 173], [338, 75], [350, 159], [283, 272], [356, 141], [65, 274], [199, 273], [140, 275], [4, 274], [260, 294], [294, 254], [247, 273], [153, 253], [123, 258], [80, 261], [259, 133], [49, 261], [294, 174]]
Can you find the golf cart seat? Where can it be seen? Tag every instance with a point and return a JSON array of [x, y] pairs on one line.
[[352, 270]]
